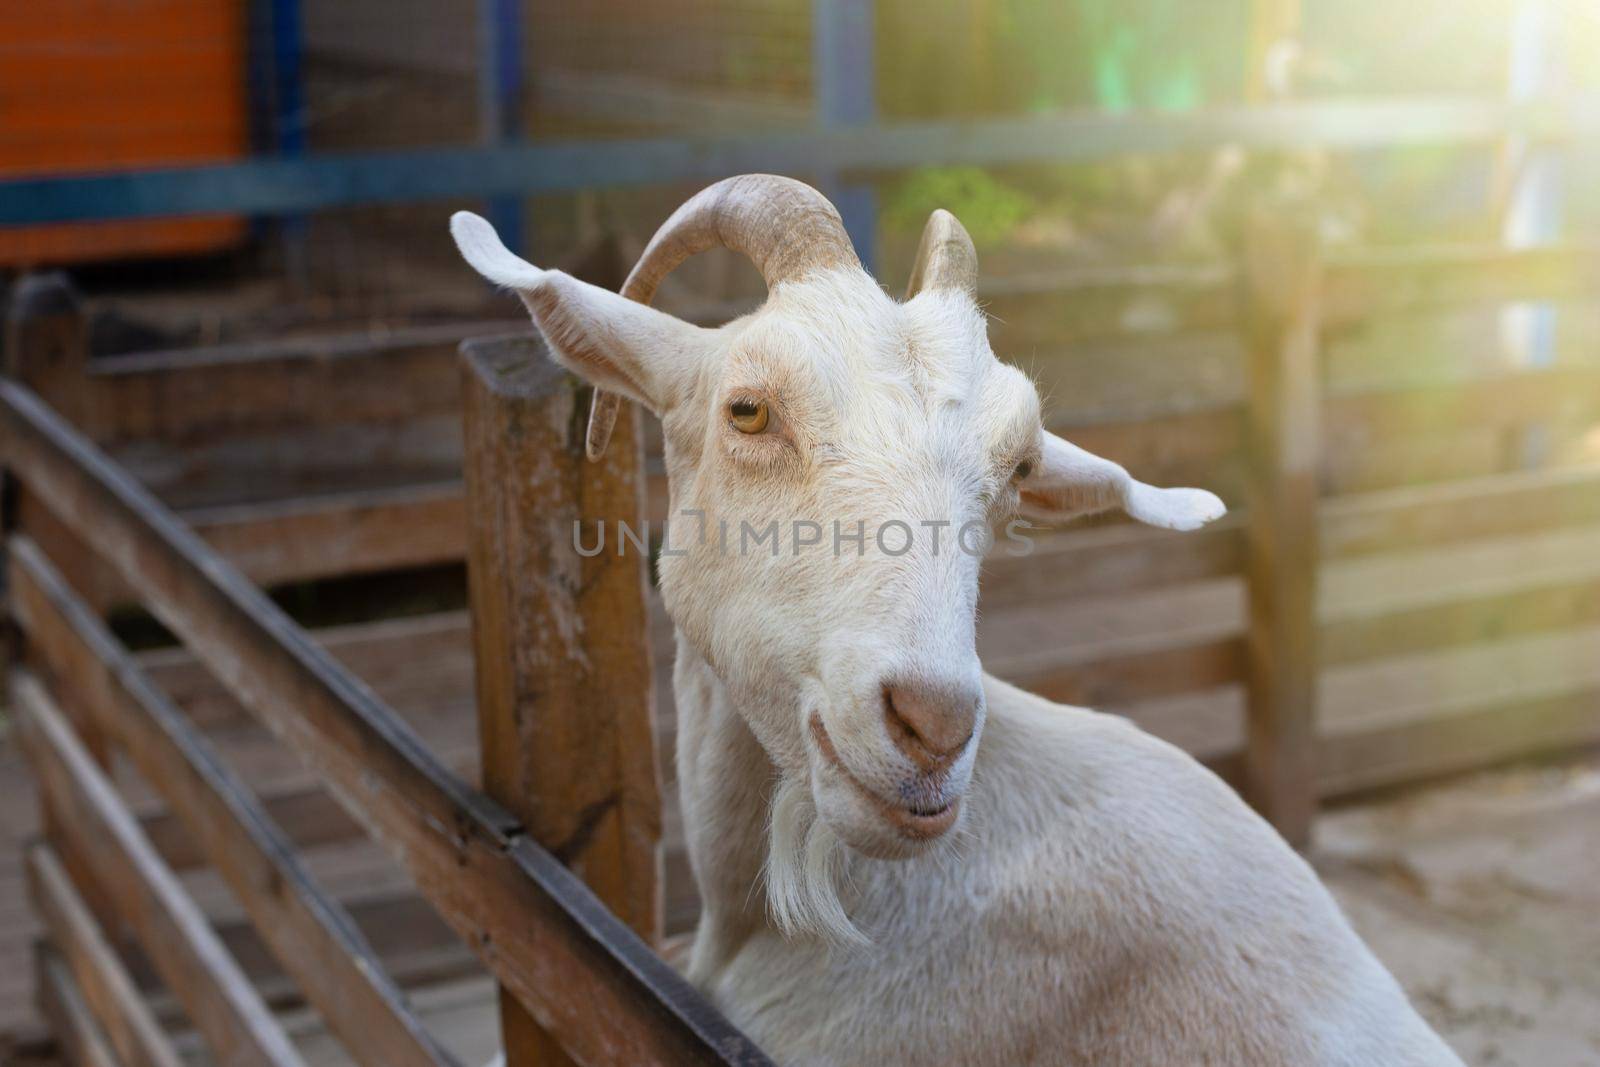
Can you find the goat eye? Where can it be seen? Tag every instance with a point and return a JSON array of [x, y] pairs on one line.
[[1024, 469], [748, 416]]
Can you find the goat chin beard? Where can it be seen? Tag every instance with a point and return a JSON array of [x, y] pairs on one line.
[[805, 859]]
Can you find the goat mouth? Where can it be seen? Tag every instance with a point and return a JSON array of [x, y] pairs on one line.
[[918, 822]]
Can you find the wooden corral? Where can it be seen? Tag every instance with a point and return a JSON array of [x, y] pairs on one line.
[[1405, 589]]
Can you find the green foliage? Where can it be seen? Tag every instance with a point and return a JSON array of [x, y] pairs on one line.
[[987, 207]]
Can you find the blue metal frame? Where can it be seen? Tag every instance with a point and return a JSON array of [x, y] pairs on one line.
[[318, 181], [289, 113], [844, 80], [288, 90], [500, 102]]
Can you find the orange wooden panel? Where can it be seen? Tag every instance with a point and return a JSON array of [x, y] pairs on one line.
[[92, 85]]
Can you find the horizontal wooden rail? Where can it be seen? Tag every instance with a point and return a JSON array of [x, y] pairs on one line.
[[400, 648], [1502, 400], [338, 534], [286, 354], [189, 396], [1052, 309], [309, 933], [1113, 674], [97, 831], [108, 990], [1449, 740], [1119, 558], [1462, 510], [1360, 285], [602, 991], [1510, 608], [1364, 284]]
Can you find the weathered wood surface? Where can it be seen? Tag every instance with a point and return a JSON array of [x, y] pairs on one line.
[[1372, 283], [560, 640], [362, 532], [1517, 502], [99, 833], [197, 395], [317, 942], [1449, 740], [46, 343], [63, 1004], [1281, 294], [108, 991], [583, 974]]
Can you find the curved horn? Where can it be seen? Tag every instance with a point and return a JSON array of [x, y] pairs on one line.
[[785, 227], [945, 258]]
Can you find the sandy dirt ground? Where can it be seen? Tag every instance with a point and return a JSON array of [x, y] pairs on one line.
[[1483, 897]]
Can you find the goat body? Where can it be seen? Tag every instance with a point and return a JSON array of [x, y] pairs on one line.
[[1108, 901]]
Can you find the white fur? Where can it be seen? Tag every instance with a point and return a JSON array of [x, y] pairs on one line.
[[1102, 898]]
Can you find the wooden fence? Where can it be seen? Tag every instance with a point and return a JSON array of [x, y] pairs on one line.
[[594, 986], [1307, 647]]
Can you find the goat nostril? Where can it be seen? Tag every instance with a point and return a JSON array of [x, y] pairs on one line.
[[930, 728]]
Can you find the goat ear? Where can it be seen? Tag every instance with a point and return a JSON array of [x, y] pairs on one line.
[[615, 344], [1068, 482]]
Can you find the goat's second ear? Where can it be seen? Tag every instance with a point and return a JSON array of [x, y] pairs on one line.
[[615, 344], [1068, 482]]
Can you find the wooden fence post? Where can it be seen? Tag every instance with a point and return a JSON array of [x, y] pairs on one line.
[[563, 670], [46, 348], [1282, 283], [46, 343]]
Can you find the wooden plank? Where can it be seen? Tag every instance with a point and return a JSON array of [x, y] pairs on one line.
[[1056, 308], [419, 654], [1520, 502], [1357, 466], [172, 931], [308, 816], [306, 538], [1171, 448], [1370, 283], [416, 947], [560, 640], [108, 992], [535, 925], [1429, 743], [1133, 377], [61, 1003], [1459, 619], [312, 460], [1111, 675], [1507, 400], [1172, 443], [190, 396], [1452, 740], [1281, 286], [1111, 559], [311, 934], [90, 575], [414, 944]]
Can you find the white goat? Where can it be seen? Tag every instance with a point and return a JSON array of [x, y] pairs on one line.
[[880, 886]]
